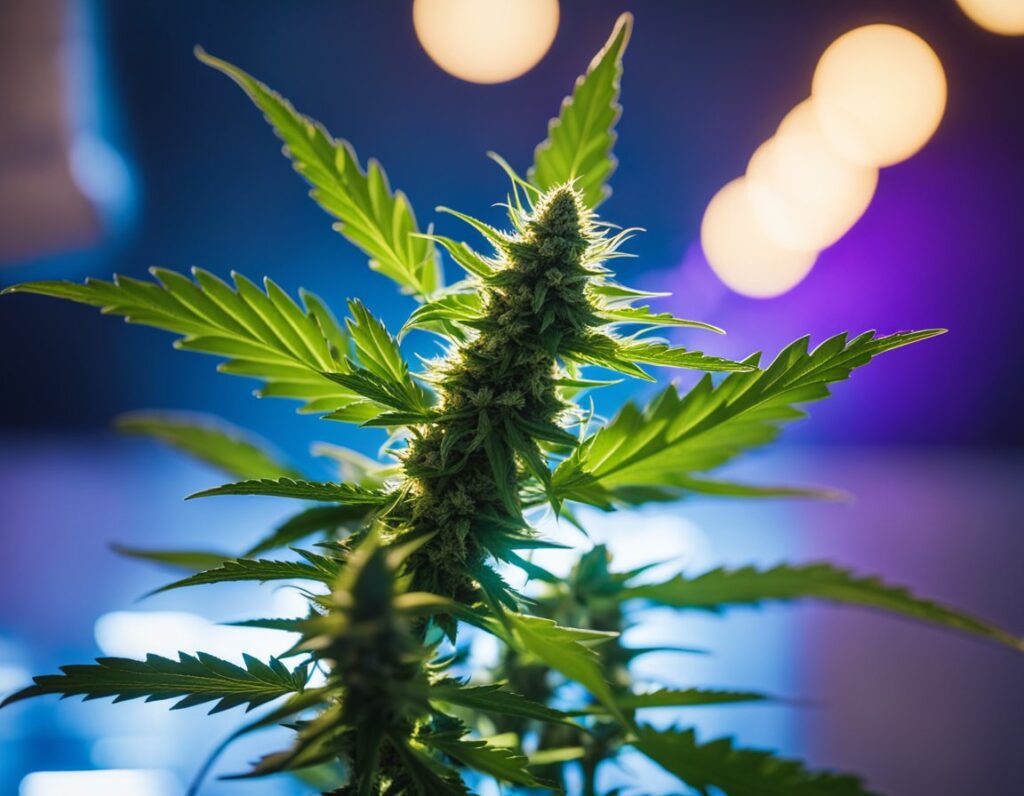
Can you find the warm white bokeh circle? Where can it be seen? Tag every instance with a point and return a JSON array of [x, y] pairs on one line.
[[880, 93], [486, 41], [803, 192], [741, 253], [998, 16]]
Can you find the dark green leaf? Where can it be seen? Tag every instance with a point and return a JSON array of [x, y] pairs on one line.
[[428, 776], [316, 742], [199, 679], [677, 698], [565, 650], [261, 570], [624, 356], [492, 699], [191, 560], [496, 761], [304, 490], [306, 523], [739, 772], [720, 588]]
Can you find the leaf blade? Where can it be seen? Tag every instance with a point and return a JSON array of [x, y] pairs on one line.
[[675, 436], [209, 439], [719, 588], [370, 215], [580, 140], [739, 772], [196, 679]]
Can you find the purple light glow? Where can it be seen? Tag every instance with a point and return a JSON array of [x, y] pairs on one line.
[[925, 254]]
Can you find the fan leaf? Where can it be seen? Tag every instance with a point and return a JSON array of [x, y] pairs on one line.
[[493, 699], [678, 698], [499, 762], [565, 650], [374, 218], [675, 436], [580, 140], [266, 336], [318, 568], [195, 679], [347, 494], [720, 588], [739, 772]]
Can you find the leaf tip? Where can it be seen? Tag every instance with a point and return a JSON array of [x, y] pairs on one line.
[[624, 28], [204, 57]]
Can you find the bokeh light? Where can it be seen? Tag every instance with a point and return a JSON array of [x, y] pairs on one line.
[[486, 41], [998, 16], [805, 195], [880, 93], [743, 255], [124, 782]]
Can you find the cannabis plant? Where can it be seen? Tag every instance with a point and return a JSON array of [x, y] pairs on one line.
[[401, 556]]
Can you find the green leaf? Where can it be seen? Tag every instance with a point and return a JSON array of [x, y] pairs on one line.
[[678, 698], [579, 143], [564, 754], [624, 355], [261, 570], [655, 352], [304, 490], [565, 650], [450, 307], [613, 294], [738, 772], [266, 336], [712, 486], [199, 679], [680, 486], [317, 741], [499, 762], [719, 588], [306, 523], [474, 263], [675, 436], [377, 351], [210, 440], [373, 217], [191, 560], [642, 315], [492, 699], [385, 394], [293, 625], [427, 776]]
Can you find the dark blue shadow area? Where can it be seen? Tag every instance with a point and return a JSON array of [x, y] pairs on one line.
[[705, 83]]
